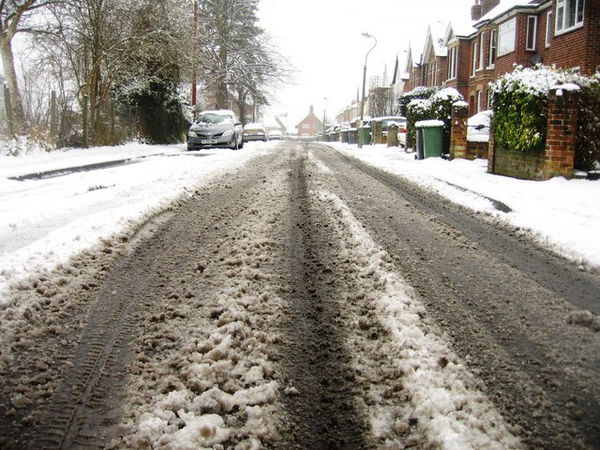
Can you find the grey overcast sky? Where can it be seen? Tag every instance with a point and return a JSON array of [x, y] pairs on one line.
[[322, 39]]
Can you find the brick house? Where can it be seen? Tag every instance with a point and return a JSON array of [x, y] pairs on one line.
[[412, 70], [434, 68], [565, 33], [502, 33], [310, 126]]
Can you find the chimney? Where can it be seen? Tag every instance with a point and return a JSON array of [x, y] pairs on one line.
[[476, 11], [488, 5], [312, 109]]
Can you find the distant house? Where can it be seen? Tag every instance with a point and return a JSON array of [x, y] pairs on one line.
[[310, 126]]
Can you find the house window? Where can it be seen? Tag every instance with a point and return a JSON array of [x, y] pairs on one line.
[[569, 14], [531, 32], [479, 99], [452, 62], [474, 64], [493, 47], [548, 29], [481, 49], [506, 37], [305, 126]]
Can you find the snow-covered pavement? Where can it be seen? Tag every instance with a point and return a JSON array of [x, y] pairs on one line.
[[561, 214]]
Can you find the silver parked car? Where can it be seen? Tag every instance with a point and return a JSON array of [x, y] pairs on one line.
[[219, 128]]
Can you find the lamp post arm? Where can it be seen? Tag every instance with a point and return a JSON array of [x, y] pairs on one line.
[[371, 49]]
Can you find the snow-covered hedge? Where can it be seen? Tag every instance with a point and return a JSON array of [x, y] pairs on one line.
[[587, 143], [520, 102], [438, 107]]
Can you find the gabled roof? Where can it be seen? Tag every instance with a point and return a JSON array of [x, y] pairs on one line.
[[459, 28], [435, 40], [310, 117], [505, 7]]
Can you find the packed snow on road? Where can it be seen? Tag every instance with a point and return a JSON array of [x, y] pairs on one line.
[[245, 299]]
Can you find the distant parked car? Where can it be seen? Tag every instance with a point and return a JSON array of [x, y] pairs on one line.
[[219, 128], [275, 135], [478, 127], [255, 132]]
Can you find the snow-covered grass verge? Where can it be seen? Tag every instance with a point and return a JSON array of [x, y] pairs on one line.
[[438, 395], [45, 222], [560, 214]]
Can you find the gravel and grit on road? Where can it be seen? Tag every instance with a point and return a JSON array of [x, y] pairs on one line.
[[305, 300]]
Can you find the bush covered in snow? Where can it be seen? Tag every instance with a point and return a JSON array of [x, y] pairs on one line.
[[437, 106], [587, 143], [520, 102]]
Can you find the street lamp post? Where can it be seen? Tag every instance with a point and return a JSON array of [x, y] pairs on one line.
[[362, 102]]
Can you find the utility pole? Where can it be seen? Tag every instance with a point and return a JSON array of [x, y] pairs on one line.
[[194, 72], [362, 102]]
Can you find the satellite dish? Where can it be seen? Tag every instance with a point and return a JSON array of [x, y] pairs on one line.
[[536, 59]]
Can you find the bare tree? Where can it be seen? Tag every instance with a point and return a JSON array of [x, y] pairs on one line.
[[12, 15]]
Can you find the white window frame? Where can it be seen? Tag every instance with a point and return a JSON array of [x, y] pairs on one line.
[[530, 30], [479, 99], [453, 63], [493, 49], [504, 30], [548, 39], [563, 8], [474, 52], [481, 50]]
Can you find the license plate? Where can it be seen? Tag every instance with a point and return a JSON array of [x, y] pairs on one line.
[[209, 141]]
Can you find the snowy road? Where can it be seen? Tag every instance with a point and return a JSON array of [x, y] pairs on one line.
[[306, 300]]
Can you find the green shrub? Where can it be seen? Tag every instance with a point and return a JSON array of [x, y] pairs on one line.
[[520, 102], [587, 142], [416, 110]]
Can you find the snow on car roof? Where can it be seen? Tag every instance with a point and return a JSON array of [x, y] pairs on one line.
[[253, 125], [219, 112]]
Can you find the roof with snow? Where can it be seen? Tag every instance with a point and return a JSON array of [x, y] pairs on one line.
[[504, 7], [459, 28], [435, 39]]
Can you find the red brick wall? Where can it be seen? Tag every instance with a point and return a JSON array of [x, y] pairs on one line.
[[580, 47], [560, 135], [505, 63]]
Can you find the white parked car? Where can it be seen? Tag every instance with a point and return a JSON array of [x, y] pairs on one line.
[[478, 127], [275, 135]]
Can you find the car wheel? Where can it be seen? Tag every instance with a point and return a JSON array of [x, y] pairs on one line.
[[234, 143]]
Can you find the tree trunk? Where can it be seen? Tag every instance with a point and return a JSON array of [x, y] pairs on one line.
[[18, 115], [241, 104]]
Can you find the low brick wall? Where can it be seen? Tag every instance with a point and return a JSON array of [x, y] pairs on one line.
[[557, 159], [477, 150], [517, 164]]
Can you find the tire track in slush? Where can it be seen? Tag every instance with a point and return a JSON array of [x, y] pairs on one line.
[[322, 408], [83, 401]]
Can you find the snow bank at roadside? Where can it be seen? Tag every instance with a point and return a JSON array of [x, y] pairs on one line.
[[45, 222], [560, 214], [442, 396]]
